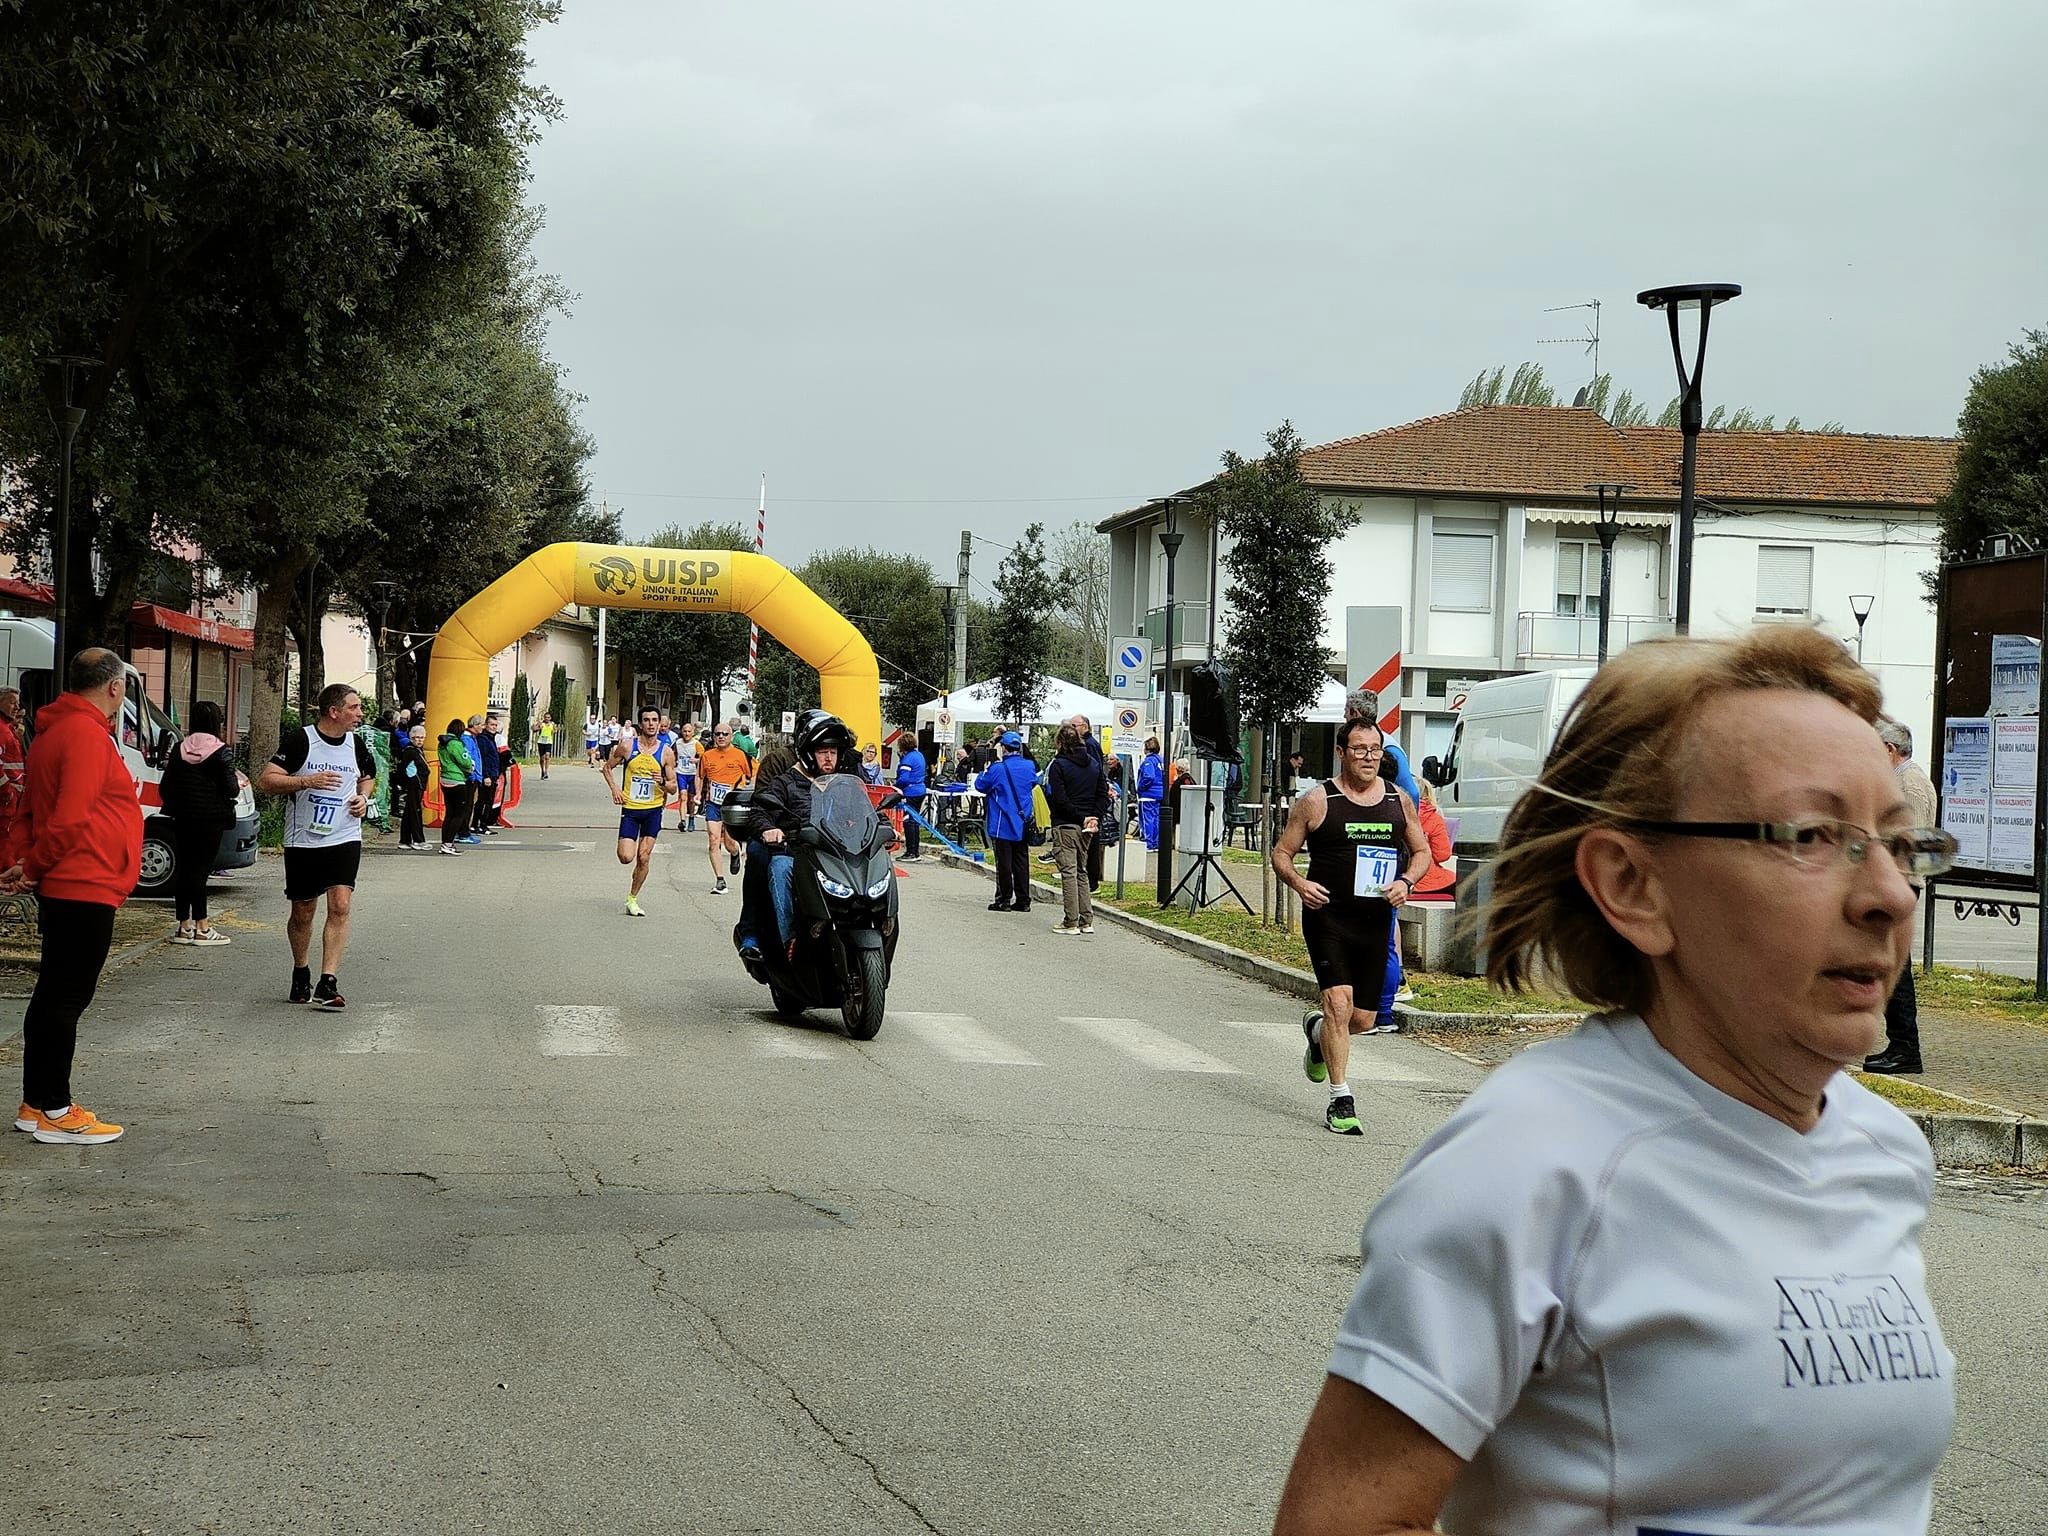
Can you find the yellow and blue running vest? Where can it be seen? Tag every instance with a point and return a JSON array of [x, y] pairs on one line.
[[643, 778]]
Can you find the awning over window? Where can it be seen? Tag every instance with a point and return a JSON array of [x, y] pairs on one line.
[[171, 622], [16, 593], [1591, 515]]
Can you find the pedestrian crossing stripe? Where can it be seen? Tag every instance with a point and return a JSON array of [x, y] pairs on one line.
[[568, 1031]]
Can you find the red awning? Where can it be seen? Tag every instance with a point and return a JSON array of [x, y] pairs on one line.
[[171, 622], [25, 594]]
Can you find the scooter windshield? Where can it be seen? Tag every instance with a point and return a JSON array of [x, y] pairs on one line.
[[841, 810]]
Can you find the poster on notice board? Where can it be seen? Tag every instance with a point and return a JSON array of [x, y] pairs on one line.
[[2015, 675]]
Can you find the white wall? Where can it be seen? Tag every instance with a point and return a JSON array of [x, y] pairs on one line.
[[1373, 564], [1885, 559]]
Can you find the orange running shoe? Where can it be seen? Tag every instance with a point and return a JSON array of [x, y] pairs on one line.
[[25, 1117], [75, 1127]]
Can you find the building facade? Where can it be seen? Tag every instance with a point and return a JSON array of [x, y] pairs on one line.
[[1479, 525]]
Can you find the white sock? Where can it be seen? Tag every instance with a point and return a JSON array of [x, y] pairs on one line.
[[1339, 1091], [1316, 1034]]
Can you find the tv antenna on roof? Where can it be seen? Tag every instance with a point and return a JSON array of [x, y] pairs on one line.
[[1589, 339]]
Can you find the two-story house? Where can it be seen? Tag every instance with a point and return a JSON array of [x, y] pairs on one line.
[[1479, 525]]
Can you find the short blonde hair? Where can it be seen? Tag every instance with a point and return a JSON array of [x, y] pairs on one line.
[[1622, 755]]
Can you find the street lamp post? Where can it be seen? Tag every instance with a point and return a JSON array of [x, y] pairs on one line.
[[1702, 297], [1610, 493], [1860, 604], [62, 374], [1170, 541]]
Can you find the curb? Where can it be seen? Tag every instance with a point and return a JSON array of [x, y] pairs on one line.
[[1956, 1140]]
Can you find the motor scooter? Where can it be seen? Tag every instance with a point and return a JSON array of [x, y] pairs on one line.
[[843, 941]]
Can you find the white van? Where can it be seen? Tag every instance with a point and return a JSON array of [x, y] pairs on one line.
[[147, 737], [1504, 733]]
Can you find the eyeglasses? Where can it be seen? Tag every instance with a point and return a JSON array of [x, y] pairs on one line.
[[1823, 843], [721, 733], [1367, 751]]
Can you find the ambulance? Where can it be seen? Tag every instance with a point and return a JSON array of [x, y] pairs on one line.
[[147, 737]]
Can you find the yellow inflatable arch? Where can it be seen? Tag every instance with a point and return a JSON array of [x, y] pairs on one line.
[[665, 580]]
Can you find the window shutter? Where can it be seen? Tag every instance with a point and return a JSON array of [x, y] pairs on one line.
[[1784, 578], [1461, 570], [1570, 562]]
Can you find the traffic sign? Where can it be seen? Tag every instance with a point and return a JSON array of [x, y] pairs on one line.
[[788, 722], [942, 728], [1126, 737], [1130, 668]]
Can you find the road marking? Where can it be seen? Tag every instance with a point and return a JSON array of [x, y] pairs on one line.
[[962, 1038], [580, 1030], [1367, 1065], [789, 1045], [1150, 1047], [380, 1035]]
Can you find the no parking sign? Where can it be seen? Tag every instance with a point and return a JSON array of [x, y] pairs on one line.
[[1126, 737]]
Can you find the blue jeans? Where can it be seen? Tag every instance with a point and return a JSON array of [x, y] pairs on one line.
[[1393, 982], [782, 892]]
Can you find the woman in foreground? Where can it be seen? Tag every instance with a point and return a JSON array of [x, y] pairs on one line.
[[1663, 1278]]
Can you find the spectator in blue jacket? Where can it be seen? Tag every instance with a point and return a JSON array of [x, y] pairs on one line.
[[470, 739], [1008, 782], [911, 785], [1151, 790]]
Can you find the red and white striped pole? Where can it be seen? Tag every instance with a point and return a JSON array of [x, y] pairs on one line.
[[754, 630]]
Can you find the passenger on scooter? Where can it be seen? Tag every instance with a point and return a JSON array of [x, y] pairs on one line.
[[782, 806]]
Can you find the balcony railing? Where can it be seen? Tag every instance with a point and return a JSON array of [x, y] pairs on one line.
[[1190, 625], [1576, 636]]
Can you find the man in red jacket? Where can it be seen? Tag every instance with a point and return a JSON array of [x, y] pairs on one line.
[[13, 763], [77, 841]]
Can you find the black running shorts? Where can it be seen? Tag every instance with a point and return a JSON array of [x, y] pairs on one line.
[[310, 873], [1347, 947]]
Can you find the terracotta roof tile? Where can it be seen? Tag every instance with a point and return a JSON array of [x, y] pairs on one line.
[[1550, 452]]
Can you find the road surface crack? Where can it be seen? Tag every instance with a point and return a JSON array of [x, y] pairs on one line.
[[749, 1364]]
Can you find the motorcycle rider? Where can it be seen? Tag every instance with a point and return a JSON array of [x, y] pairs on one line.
[[782, 807]]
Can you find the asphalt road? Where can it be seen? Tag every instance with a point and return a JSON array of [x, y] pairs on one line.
[[557, 1226]]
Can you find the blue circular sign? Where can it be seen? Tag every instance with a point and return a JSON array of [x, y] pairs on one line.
[[1130, 656]]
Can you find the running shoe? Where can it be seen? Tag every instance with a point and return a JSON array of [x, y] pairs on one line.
[[1086, 928], [302, 984], [1385, 1026], [25, 1117], [1067, 932], [1405, 995], [633, 907], [209, 936], [1342, 1117], [750, 948], [473, 839], [1312, 1058], [450, 848], [328, 993], [719, 889], [75, 1127], [735, 863], [180, 935]]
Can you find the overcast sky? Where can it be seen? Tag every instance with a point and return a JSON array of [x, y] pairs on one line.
[[942, 265]]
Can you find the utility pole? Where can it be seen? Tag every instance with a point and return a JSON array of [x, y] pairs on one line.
[[603, 506], [960, 614]]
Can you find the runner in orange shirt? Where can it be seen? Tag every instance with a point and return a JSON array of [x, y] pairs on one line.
[[722, 768]]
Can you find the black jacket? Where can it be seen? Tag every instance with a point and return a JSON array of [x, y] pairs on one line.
[[785, 802], [1076, 788], [203, 791], [401, 754]]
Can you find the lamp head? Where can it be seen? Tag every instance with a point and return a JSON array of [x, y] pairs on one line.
[[1688, 295], [1610, 493], [1860, 604]]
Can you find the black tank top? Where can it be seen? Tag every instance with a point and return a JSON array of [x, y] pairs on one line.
[[1346, 827]]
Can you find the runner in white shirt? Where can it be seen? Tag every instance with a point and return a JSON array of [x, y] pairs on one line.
[[329, 773], [1664, 1278], [686, 774]]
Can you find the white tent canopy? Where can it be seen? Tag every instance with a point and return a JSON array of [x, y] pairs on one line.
[[1063, 700], [1328, 708]]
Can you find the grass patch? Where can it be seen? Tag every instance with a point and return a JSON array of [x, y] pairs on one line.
[[1911, 1096], [1438, 992], [1981, 995]]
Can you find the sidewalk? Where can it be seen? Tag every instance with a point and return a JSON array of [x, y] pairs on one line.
[[1985, 1059]]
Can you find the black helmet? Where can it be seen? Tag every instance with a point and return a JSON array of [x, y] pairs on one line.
[[817, 728]]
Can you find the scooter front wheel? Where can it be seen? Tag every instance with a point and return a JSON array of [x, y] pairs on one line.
[[785, 1005], [867, 994]]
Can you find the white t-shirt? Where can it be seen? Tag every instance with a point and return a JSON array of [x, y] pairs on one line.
[[686, 757], [1637, 1305]]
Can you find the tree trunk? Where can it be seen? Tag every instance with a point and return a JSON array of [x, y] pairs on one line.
[[267, 672], [1256, 792]]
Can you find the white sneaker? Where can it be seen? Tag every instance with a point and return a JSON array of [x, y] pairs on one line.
[[1086, 928], [1405, 995], [209, 936], [180, 936]]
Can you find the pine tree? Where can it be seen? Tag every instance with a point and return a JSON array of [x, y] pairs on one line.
[[1020, 629]]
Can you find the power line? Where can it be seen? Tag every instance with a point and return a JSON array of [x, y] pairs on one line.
[[888, 501]]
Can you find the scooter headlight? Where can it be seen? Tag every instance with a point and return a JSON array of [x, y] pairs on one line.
[[875, 891], [834, 888]]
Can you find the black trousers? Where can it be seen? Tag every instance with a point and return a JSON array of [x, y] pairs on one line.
[[1013, 871], [454, 811], [910, 827], [196, 845], [76, 938], [485, 812], [412, 827], [1902, 1020]]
